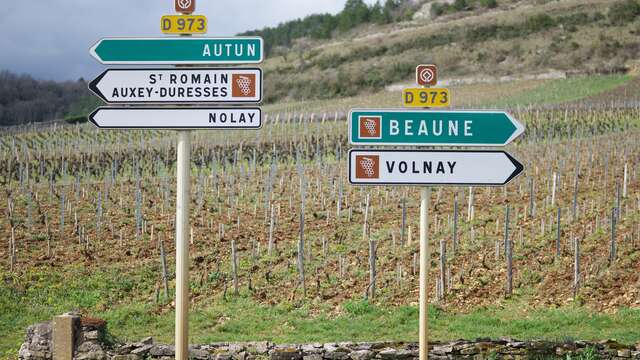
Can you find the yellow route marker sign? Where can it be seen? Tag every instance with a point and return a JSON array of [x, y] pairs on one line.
[[184, 24], [426, 97]]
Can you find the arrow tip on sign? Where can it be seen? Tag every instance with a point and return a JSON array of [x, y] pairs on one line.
[[93, 86], [519, 168], [519, 128], [92, 116], [93, 53]]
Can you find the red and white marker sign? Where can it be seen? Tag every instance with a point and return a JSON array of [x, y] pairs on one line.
[[185, 6], [427, 75]]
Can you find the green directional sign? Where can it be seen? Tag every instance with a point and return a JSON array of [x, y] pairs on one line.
[[179, 50], [432, 128]]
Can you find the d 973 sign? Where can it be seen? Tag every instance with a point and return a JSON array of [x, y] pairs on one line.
[[426, 97], [184, 24]]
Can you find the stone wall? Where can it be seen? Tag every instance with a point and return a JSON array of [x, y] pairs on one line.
[[90, 344]]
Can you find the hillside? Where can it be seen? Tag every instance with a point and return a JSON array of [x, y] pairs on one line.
[[514, 38], [284, 249], [365, 51]]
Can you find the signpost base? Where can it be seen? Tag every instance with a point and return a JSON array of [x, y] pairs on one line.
[[425, 196], [182, 244]]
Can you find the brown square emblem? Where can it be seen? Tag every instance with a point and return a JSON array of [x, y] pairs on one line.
[[367, 166], [370, 127], [243, 85], [185, 6]]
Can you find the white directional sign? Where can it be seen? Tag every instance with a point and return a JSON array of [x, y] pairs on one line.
[[423, 167], [222, 85], [177, 118]]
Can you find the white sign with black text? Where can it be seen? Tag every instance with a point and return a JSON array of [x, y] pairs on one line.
[[425, 167], [220, 85], [177, 118]]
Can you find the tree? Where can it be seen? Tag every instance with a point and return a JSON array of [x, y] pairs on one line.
[[460, 5], [377, 14], [355, 12]]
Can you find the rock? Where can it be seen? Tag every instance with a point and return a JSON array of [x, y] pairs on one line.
[[337, 354], [635, 354], [199, 354], [262, 347], [143, 350], [147, 341], [363, 346], [511, 351], [236, 348], [406, 354], [388, 353], [91, 335], [162, 350], [37, 343], [362, 355], [241, 356], [441, 350], [94, 355], [470, 350], [311, 349], [624, 353], [443, 357], [346, 344], [517, 344], [125, 349], [312, 357], [290, 353], [89, 346], [329, 347], [125, 357], [223, 356]]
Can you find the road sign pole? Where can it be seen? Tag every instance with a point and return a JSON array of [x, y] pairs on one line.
[[424, 272], [182, 227], [182, 244]]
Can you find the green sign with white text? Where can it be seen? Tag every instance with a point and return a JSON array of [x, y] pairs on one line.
[[179, 50], [432, 128]]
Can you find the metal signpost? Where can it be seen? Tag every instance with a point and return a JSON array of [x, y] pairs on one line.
[[430, 167], [176, 86]]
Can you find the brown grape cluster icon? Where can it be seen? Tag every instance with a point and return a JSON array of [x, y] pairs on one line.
[[370, 125], [367, 165], [244, 83]]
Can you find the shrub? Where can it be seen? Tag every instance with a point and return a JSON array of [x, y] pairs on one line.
[[460, 5], [437, 9], [540, 22], [76, 119], [490, 4], [624, 11]]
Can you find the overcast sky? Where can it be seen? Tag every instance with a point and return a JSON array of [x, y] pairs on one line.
[[49, 39]]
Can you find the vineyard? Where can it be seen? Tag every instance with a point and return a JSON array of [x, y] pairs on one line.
[[275, 221]]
